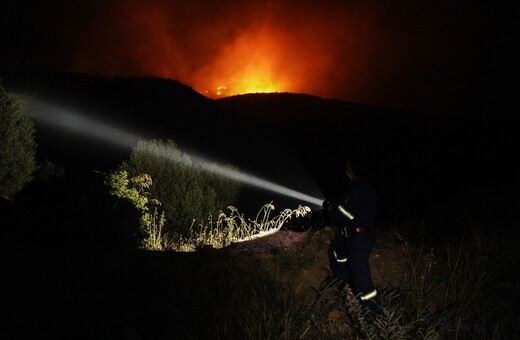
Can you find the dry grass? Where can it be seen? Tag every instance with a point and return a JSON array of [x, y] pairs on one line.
[[233, 227], [446, 291]]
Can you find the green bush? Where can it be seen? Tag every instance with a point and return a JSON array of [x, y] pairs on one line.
[[186, 191], [17, 145], [139, 223]]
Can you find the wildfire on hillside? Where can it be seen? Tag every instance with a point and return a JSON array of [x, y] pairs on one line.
[[244, 48], [252, 83], [252, 63], [219, 92], [374, 52]]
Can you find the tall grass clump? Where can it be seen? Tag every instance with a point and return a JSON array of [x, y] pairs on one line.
[[268, 310], [396, 322], [452, 286], [233, 227], [338, 314]]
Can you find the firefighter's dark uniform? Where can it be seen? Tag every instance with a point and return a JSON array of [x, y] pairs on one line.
[[355, 218]]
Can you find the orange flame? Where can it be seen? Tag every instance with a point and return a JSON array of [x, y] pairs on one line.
[[248, 65]]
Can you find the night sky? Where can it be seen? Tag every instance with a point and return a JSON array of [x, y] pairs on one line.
[[441, 57]]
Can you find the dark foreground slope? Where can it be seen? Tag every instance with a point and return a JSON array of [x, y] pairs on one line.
[[277, 286], [243, 291]]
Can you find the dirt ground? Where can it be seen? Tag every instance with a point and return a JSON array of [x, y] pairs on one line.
[[312, 248], [304, 259]]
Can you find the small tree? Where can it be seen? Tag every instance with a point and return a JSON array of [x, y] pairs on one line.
[[17, 145], [187, 192]]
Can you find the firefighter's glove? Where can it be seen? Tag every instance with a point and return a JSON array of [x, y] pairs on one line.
[[328, 205]]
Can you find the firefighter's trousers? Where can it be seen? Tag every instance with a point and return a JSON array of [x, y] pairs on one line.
[[350, 263]]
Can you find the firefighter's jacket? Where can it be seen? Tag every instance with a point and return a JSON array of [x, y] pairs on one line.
[[358, 208]]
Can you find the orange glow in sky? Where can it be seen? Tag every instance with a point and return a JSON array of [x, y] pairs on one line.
[[222, 50], [418, 56], [332, 50], [250, 64]]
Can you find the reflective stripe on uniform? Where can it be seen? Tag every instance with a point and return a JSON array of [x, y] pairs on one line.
[[369, 296], [339, 260], [345, 212]]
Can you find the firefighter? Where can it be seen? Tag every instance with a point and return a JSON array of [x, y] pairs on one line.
[[354, 218]]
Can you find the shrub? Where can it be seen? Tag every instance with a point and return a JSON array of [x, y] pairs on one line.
[[140, 224], [17, 145], [186, 192]]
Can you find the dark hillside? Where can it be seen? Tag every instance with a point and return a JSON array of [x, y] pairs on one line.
[[435, 164], [143, 107], [87, 123], [430, 164]]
